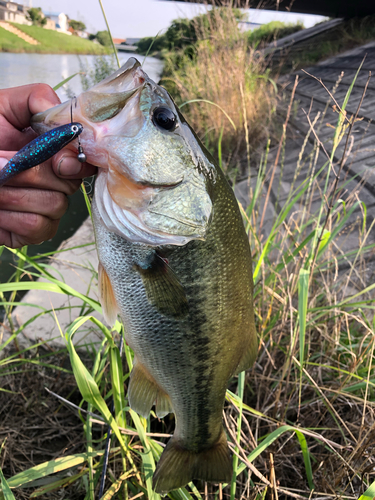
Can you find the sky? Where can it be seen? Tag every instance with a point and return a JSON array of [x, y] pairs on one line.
[[139, 18]]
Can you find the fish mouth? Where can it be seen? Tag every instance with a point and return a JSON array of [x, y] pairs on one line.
[[150, 187], [97, 110]]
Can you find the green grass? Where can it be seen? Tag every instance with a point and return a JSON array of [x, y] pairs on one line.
[[300, 412], [12, 43], [300, 422], [51, 42], [272, 31]]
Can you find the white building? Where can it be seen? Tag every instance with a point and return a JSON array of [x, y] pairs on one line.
[[61, 21], [13, 12]]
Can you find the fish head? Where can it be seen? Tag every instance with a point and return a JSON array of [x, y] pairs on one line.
[[155, 182]]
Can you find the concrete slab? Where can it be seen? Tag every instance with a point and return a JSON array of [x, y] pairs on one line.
[[76, 264]]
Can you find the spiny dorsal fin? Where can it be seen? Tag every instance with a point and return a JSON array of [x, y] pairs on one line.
[[107, 297], [163, 289]]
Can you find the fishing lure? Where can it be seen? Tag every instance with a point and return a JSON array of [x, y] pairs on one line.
[[40, 149]]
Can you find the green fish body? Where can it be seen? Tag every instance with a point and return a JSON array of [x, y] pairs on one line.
[[175, 263]]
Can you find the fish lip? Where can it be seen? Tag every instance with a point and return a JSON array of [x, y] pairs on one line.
[[160, 186], [146, 184]]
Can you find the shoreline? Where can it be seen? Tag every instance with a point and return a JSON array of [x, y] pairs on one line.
[[82, 53]]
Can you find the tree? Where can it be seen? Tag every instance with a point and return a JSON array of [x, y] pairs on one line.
[[36, 16], [103, 38], [77, 25]]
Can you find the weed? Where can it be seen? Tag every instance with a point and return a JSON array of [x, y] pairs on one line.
[[220, 64]]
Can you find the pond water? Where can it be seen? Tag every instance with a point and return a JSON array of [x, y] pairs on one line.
[[22, 69]]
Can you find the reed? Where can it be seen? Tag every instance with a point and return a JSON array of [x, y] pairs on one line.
[[206, 81]]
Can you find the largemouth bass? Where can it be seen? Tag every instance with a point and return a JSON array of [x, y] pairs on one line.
[[175, 263]]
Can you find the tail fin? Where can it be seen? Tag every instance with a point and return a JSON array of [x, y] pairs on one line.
[[178, 466]]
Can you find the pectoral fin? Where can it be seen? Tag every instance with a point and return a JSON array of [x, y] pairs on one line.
[[163, 289], [107, 297], [144, 392]]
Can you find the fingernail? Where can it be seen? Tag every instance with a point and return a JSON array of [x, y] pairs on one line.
[[3, 162], [68, 166]]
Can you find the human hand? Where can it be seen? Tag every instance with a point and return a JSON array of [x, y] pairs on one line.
[[32, 203]]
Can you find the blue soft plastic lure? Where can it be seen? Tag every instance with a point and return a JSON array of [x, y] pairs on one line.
[[40, 149]]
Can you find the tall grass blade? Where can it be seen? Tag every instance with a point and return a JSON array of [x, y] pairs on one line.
[[57, 287], [87, 199], [110, 34], [117, 378], [55, 485], [5, 490], [306, 458], [113, 489], [150, 47], [303, 294], [87, 385], [212, 104], [147, 456], [56, 87], [369, 494], [241, 387], [50, 467]]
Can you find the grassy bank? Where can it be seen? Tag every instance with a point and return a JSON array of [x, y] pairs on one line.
[[51, 42], [301, 422]]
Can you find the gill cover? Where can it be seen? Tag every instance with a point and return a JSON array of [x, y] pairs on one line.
[[155, 182]]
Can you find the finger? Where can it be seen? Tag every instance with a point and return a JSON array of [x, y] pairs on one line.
[[17, 106], [52, 204], [65, 164], [31, 229], [40, 177]]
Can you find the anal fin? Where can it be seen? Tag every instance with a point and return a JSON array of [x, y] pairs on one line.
[[163, 404], [163, 289], [107, 297], [144, 392]]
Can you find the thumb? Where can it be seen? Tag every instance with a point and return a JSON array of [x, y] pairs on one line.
[[65, 164]]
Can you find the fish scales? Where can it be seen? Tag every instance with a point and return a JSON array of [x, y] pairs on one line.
[[216, 275], [175, 263]]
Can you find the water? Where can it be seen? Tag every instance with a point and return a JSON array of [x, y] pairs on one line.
[[22, 69]]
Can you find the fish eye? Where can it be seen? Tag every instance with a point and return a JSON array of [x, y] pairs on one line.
[[74, 129], [164, 118]]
